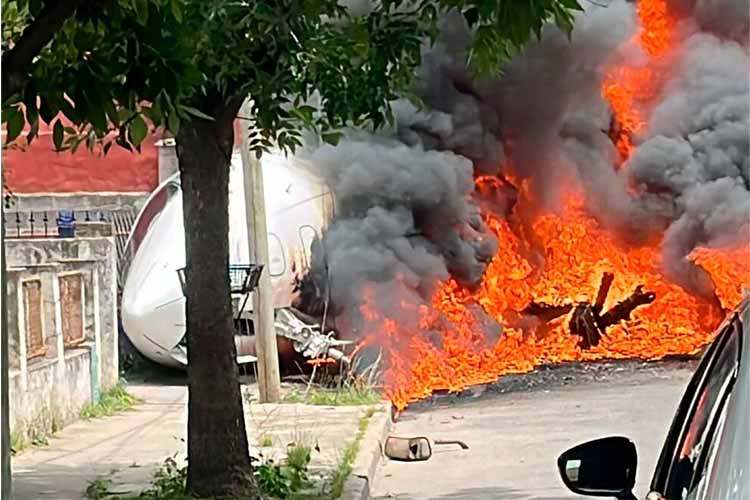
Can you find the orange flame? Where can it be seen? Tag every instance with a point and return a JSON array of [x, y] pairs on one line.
[[730, 270], [451, 349], [554, 259], [626, 88]]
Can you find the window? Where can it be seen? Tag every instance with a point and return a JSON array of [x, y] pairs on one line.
[[33, 309], [307, 235], [71, 303], [277, 260], [154, 206], [689, 455], [707, 459]]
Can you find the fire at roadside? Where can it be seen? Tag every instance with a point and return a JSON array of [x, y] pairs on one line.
[[592, 203]]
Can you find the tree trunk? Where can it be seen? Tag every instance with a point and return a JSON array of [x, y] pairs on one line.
[[218, 456]]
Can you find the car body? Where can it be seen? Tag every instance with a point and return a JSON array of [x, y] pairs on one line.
[[706, 455]]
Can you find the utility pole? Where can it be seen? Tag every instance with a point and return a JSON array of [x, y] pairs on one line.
[[269, 381]]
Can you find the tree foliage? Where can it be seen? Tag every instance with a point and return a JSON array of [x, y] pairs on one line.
[[118, 69]]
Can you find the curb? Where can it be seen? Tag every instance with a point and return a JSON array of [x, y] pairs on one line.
[[360, 482]]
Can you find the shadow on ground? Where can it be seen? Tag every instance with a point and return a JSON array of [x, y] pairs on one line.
[[479, 493]]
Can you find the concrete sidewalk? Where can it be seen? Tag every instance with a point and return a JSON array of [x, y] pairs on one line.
[[127, 448]]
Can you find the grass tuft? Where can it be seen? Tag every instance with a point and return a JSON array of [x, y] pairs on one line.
[[115, 400], [346, 464], [18, 442], [265, 441], [350, 393], [98, 488]]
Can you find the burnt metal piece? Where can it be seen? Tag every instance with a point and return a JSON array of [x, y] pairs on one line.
[[622, 310], [590, 324], [601, 295], [585, 324], [546, 312], [463, 445]]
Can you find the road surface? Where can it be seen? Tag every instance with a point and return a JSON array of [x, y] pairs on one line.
[[517, 428]]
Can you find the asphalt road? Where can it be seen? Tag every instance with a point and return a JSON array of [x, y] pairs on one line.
[[517, 428]]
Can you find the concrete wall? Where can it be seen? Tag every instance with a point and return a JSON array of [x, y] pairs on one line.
[[38, 202], [49, 391]]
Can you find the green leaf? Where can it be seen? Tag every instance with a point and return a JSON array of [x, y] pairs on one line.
[[138, 130], [332, 138], [173, 122], [48, 109], [177, 10], [15, 121], [97, 116], [34, 7], [141, 11], [57, 134], [124, 114], [109, 108], [33, 131], [307, 112], [192, 76], [196, 112]]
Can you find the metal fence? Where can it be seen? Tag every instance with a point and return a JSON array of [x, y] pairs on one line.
[[44, 223]]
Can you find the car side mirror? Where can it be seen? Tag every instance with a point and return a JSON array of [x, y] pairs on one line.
[[408, 449], [600, 468]]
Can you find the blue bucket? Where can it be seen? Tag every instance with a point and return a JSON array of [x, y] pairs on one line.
[[66, 224]]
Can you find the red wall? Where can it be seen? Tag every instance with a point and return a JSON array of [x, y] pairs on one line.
[[39, 169]]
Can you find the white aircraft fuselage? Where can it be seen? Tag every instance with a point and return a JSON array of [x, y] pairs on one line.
[[299, 205]]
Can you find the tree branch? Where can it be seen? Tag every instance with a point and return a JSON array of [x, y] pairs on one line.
[[16, 62]]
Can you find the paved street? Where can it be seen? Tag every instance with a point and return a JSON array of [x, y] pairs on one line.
[[515, 437]]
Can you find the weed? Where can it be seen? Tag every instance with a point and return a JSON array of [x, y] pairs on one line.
[[40, 440], [350, 454], [298, 457], [115, 400], [170, 482], [98, 488], [351, 392], [18, 442], [286, 479], [265, 441]]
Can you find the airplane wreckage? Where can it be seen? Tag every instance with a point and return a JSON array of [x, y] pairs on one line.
[[299, 205]]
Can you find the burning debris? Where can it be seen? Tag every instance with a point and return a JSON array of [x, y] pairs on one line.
[[468, 233], [588, 320]]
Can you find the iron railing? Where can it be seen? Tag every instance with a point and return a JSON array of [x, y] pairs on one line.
[[43, 224]]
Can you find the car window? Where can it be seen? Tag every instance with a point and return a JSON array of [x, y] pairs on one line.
[[699, 489], [693, 447], [667, 455]]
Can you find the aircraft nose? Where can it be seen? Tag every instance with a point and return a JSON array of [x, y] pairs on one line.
[[153, 307]]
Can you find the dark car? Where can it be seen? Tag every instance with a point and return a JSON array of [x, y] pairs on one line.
[[706, 454]]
